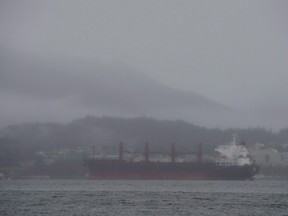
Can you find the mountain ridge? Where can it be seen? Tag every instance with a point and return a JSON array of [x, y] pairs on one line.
[[99, 89]]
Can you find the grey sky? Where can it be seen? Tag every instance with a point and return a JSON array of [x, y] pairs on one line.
[[233, 52]]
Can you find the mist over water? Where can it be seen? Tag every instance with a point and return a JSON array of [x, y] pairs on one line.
[[216, 64], [156, 71]]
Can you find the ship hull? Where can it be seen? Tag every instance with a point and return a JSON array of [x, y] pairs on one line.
[[111, 169]]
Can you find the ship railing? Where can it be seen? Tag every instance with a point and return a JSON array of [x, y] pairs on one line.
[[226, 163], [102, 156]]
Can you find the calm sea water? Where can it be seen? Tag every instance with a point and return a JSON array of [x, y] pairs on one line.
[[133, 198]]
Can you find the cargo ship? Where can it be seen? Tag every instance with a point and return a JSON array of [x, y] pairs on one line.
[[233, 163]]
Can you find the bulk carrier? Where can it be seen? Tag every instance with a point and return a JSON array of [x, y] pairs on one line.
[[233, 163]]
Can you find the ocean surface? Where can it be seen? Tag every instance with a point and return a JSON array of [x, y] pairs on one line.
[[136, 198]]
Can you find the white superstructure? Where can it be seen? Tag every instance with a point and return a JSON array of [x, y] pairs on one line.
[[233, 154]]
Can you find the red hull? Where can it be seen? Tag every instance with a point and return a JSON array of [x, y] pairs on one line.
[[109, 169], [147, 175]]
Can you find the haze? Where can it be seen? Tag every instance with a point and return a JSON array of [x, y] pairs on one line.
[[214, 63]]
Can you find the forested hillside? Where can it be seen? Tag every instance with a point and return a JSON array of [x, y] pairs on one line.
[[133, 132]]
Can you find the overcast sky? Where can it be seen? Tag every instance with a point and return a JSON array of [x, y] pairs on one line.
[[232, 52]]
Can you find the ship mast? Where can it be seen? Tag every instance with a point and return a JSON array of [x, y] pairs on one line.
[[121, 151], [199, 153], [173, 153], [146, 152]]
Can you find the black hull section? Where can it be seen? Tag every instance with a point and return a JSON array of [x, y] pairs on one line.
[[113, 169]]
